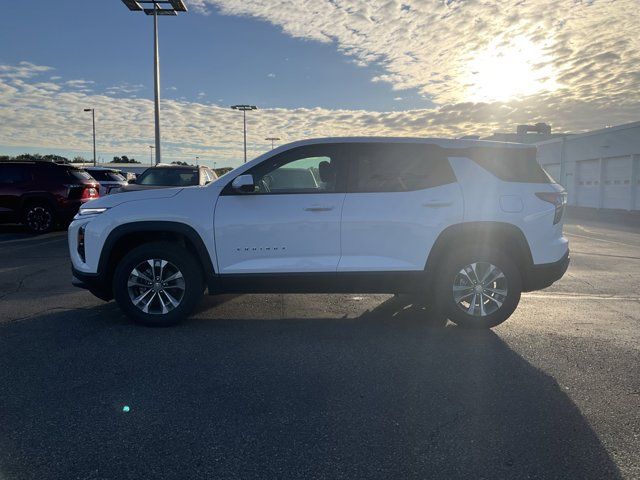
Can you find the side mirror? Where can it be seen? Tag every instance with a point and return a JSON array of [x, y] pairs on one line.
[[243, 183], [131, 180]]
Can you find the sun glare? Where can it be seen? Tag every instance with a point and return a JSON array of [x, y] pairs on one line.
[[507, 70]]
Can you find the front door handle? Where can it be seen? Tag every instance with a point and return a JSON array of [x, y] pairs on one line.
[[437, 203], [318, 209]]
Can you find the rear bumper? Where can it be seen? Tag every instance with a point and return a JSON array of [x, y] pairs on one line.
[[541, 276], [92, 282]]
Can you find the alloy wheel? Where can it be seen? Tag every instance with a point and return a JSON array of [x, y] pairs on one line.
[[480, 289], [156, 286], [39, 219]]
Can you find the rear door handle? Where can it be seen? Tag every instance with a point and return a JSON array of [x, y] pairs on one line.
[[437, 203], [318, 209]]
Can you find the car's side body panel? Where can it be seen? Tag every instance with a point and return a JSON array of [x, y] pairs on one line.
[[278, 233], [394, 231], [487, 198]]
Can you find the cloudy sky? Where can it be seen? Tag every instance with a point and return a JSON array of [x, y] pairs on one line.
[[314, 68]]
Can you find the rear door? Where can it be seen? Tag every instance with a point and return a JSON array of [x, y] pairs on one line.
[[291, 223], [400, 197]]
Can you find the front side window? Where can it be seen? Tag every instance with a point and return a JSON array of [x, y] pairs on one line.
[[311, 169], [397, 167]]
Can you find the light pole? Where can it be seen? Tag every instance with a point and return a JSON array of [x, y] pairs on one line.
[[171, 9], [197, 163], [273, 139], [244, 109], [151, 147], [93, 118]]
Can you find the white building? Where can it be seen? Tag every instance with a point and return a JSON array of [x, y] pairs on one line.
[[599, 169]]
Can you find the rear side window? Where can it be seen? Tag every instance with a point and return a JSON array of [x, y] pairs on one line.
[[508, 164], [13, 174], [397, 167]]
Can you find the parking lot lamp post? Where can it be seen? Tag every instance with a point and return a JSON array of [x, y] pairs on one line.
[[244, 109], [168, 7], [197, 161], [273, 139], [93, 118]]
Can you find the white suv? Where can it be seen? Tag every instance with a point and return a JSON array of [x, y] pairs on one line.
[[466, 225]]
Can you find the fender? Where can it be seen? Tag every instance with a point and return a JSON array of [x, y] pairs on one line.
[[156, 226]]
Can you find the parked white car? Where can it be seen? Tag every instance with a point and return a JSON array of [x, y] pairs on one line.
[[466, 225], [109, 179]]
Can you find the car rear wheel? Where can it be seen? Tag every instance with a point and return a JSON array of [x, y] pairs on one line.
[[39, 218], [478, 288], [158, 284]]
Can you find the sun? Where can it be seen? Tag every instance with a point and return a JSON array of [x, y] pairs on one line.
[[506, 70]]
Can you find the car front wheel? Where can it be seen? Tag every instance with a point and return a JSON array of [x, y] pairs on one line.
[[158, 284], [478, 289]]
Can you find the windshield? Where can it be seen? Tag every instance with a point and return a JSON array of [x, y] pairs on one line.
[[169, 177]]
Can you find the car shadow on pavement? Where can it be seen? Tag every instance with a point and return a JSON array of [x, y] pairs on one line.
[[384, 395]]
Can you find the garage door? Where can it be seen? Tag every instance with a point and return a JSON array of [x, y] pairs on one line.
[[553, 169], [588, 183], [617, 183]]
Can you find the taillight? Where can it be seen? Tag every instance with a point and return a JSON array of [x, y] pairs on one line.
[[558, 199], [89, 193]]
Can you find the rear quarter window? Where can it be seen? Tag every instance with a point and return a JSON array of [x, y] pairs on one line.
[[508, 164]]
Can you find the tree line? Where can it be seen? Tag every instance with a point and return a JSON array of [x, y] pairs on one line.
[[30, 157]]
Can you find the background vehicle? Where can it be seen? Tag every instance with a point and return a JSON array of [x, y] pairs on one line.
[[40, 194], [163, 176], [465, 225], [108, 178]]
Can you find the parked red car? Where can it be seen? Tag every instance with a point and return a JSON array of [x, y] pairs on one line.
[[41, 194]]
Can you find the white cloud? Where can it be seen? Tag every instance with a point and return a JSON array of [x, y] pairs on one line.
[[552, 56], [124, 88], [81, 83], [48, 115], [271, 75]]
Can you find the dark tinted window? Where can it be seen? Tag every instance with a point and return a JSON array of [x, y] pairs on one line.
[[508, 164], [106, 176], [12, 174], [169, 177], [309, 169], [397, 167], [78, 174]]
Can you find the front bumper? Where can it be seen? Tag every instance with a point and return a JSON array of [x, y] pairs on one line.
[[92, 282], [541, 276]]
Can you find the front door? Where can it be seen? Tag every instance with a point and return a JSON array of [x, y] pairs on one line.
[[291, 222]]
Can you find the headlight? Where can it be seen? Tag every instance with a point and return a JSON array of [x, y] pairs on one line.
[[84, 212]]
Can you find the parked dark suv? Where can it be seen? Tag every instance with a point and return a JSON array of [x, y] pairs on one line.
[[41, 194]]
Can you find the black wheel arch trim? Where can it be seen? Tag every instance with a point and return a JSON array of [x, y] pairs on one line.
[[156, 225], [481, 233]]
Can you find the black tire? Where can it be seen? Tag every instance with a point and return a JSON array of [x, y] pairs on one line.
[[39, 218], [450, 274], [178, 259]]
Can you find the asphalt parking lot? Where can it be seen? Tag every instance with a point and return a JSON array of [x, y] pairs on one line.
[[321, 386]]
